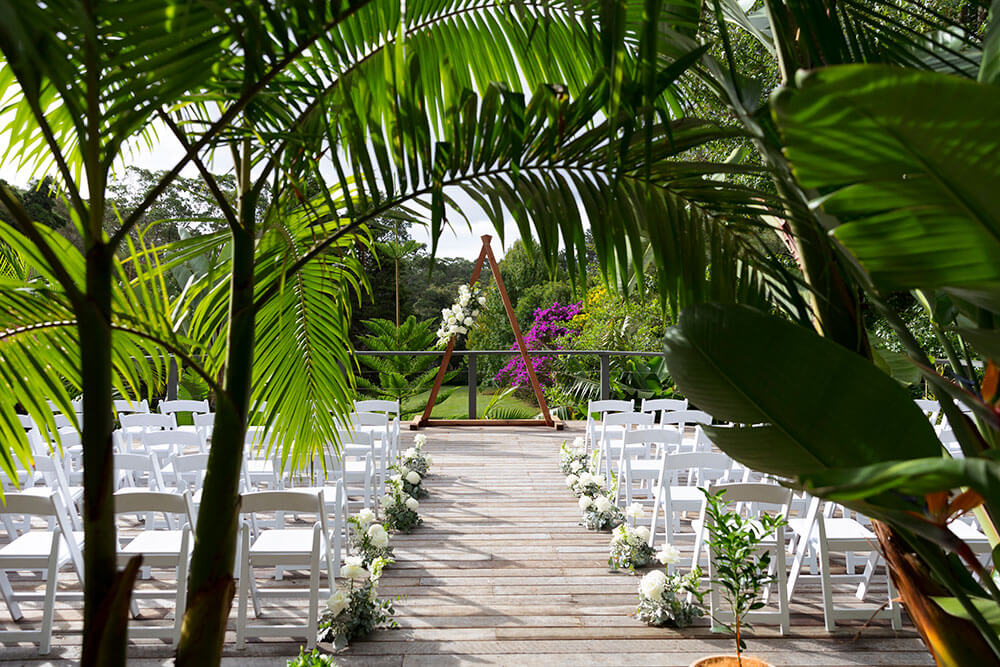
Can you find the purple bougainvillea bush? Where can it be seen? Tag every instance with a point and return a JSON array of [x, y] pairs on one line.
[[548, 332]]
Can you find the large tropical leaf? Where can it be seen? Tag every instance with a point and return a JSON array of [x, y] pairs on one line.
[[816, 404], [916, 196]]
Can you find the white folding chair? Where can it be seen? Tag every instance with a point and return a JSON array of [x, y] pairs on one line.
[[596, 411], [682, 420], [286, 547], [173, 407], [390, 409], [613, 429], [930, 407], [821, 533], [260, 464], [186, 472], [134, 425], [204, 425], [161, 549], [641, 460], [671, 499], [753, 499], [54, 477], [380, 428], [47, 551]]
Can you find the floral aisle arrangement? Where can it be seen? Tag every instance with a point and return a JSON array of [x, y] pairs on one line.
[[630, 548], [599, 513], [369, 539], [354, 609], [455, 321], [410, 480], [666, 599], [415, 458], [574, 459], [585, 484], [399, 508]]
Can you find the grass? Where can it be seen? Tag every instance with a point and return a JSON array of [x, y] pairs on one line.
[[453, 403]]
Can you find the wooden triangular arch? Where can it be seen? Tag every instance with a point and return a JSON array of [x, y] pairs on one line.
[[486, 255]]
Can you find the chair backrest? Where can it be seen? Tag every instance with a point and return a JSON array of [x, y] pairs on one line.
[[257, 441], [754, 493], [128, 406], [686, 417], [173, 407], [707, 463], [604, 406], [157, 502], [377, 405], [652, 436], [205, 424], [190, 464], [62, 421], [663, 404], [370, 419], [305, 502], [140, 463], [147, 422]]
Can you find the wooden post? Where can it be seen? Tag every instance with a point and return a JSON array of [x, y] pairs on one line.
[[486, 254]]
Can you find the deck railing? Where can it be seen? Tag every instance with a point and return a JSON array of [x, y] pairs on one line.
[[604, 356]]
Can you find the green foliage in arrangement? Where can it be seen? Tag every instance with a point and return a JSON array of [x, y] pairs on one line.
[[314, 658]]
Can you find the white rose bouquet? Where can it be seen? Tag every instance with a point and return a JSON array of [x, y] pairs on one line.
[[574, 459], [586, 484], [399, 508], [411, 481], [630, 548], [663, 598], [599, 513], [369, 539], [457, 320], [354, 609], [415, 458]]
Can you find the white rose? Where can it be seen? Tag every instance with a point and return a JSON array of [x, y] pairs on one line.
[[571, 481], [446, 312], [635, 511], [578, 443], [668, 555], [409, 453], [403, 470], [366, 516], [412, 504], [378, 536], [452, 320], [602, 504], [338, 601], [585, 503], [482, 301], [575, 466], [353, 569], [652, 585], [419, 439], [413, 477], [642, 533], [462, 330], [468, 321], [386, 501], [396, 478], [475, 312], [428, 459]]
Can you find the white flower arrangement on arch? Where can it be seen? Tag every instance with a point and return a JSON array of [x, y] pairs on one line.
[[457, 320]]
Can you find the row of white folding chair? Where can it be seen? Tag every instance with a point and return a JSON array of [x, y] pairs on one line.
[[30, 548], [313, 549], [659, 407], [596, 413], [615, 426], [391, 410]]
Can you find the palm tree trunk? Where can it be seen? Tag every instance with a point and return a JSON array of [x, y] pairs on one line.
[[211, 586], [106, 591]]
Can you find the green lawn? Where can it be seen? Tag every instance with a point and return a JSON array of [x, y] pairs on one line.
[[453, 403]]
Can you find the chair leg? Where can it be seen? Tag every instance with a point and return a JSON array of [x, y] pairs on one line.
[[824, 570], [49, 610], [8, 595], [180, 600], [313, 628], [245, 575]]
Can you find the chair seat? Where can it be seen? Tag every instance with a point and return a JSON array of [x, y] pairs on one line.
[[686, 496], [846, 534], [32, 550], [159, 548], [976, 540], [284, 546]]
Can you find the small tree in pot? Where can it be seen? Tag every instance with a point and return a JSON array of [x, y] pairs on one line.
[[739, 567]]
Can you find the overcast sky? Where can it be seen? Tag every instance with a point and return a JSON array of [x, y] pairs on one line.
[[459, 241]]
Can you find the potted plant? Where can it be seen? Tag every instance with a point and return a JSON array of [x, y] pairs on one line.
[[739, 568]]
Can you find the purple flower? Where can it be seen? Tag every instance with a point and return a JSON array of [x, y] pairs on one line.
[[551, 326]]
